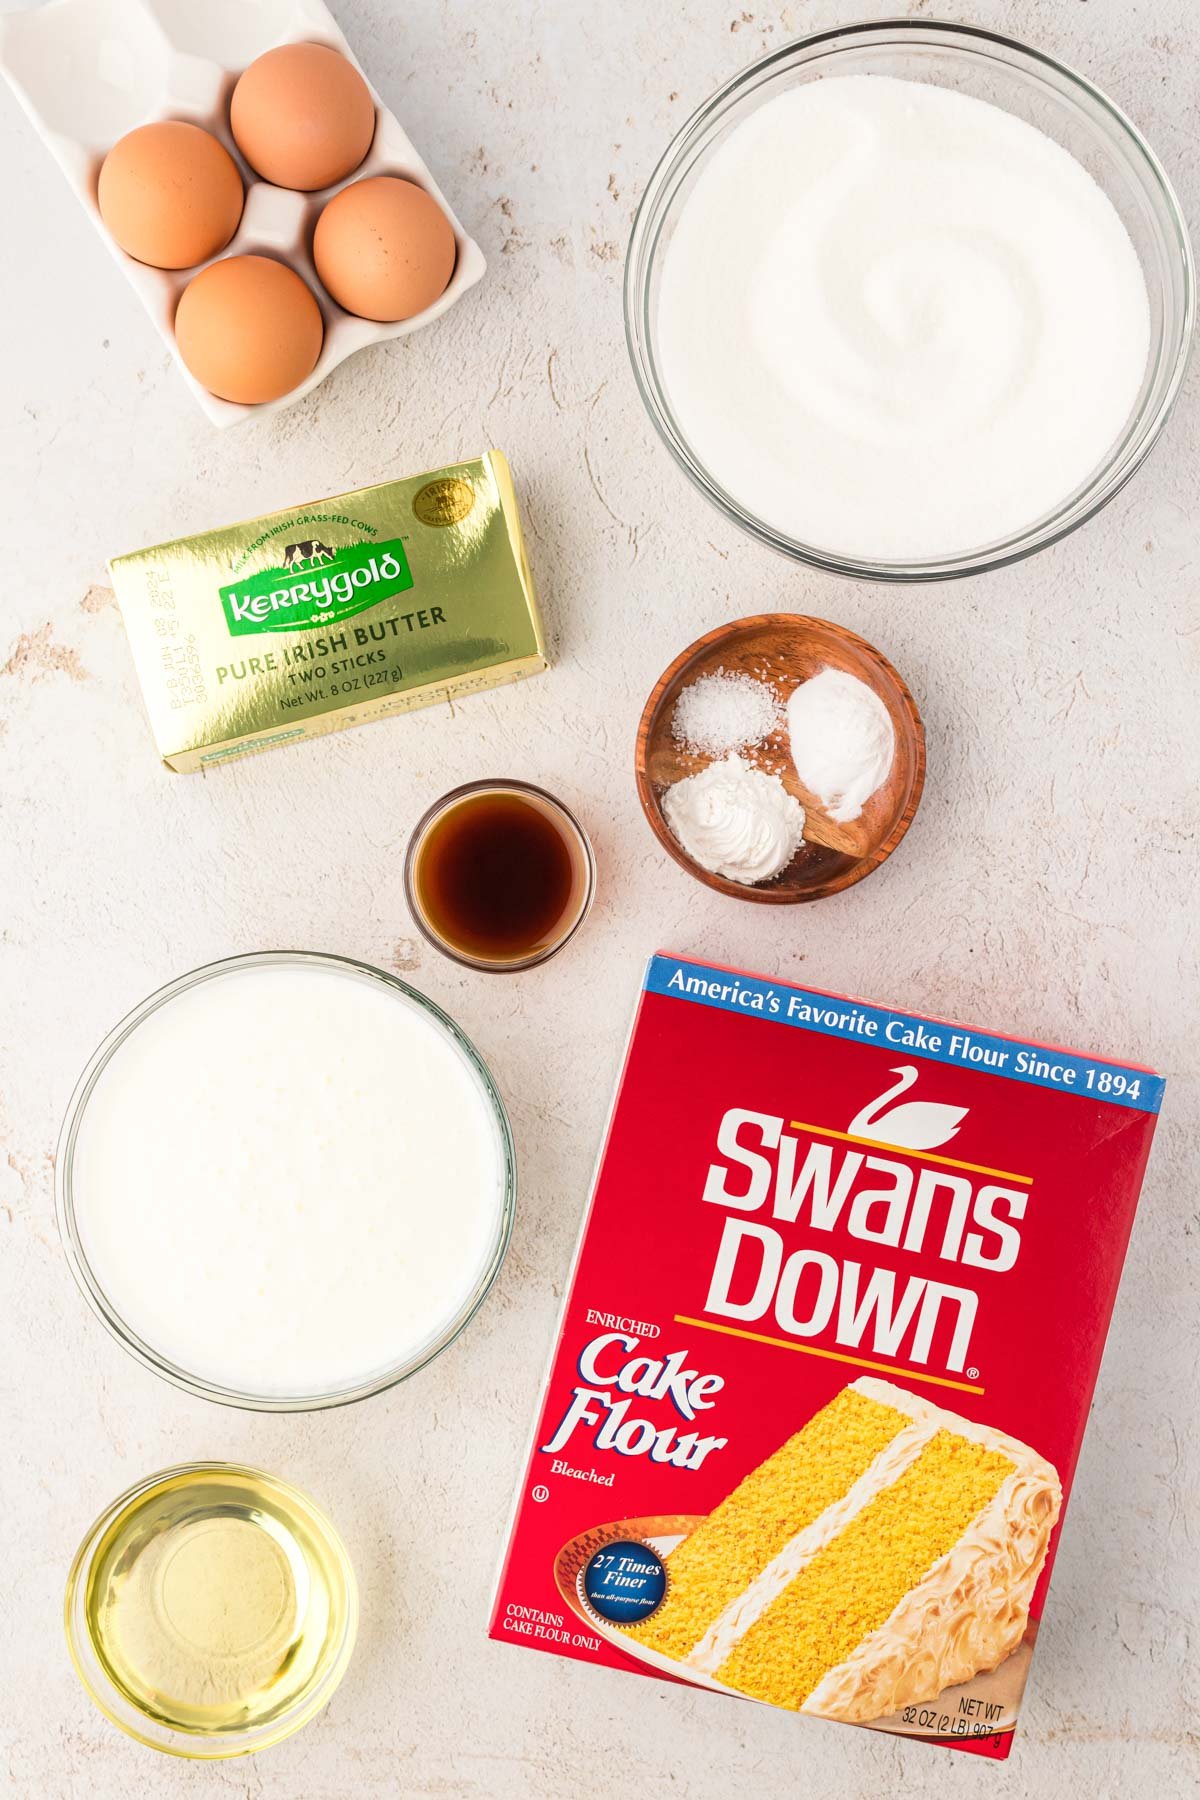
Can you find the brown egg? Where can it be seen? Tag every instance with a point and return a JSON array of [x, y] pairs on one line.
[[302, 116], [384, 248], [248, 329], [170, 194]]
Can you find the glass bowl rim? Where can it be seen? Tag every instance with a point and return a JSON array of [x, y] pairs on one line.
[[1123, 458], [225, 1745], [90, 1286], [496, 785]]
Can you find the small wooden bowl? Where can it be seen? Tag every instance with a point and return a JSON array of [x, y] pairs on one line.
[[784, 649]]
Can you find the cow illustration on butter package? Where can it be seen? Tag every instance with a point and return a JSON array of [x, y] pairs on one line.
[[798, 1442]]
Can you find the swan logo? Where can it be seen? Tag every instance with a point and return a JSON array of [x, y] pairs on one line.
[[913, 1125]]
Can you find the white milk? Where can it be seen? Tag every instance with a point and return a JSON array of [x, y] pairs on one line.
[[287, 1179], [897, 322]]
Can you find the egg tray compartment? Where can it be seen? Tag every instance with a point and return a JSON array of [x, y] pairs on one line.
[[88, 71]]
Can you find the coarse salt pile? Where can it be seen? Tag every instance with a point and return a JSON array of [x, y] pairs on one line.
[[723, 712]]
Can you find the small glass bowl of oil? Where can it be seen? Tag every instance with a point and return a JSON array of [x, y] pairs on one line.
[[211, 1610]]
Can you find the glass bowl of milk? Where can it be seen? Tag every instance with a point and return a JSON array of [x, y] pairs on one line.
[[909, 300], [286, 1181]]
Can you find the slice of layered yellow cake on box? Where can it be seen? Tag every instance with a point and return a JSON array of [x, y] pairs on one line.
[[887, 1551]]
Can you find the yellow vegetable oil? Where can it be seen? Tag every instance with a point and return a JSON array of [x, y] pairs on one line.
[[218, 1603]]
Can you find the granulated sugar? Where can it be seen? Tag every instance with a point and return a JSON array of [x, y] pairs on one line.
[[723, 712]]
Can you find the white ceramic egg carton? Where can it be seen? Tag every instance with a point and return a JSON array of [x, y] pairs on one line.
[[88, 71]]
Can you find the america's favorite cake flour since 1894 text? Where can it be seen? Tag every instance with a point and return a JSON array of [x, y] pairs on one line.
[[827, 1355]]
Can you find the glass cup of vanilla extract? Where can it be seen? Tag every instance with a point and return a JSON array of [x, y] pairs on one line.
[[499, 875]]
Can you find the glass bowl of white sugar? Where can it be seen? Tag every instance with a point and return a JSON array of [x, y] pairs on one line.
[[909, 300], [286, 1181]]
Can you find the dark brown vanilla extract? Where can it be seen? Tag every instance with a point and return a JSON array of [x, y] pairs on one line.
[[501, 876]]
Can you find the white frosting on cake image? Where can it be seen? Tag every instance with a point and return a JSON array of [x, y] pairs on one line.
[[914, 1576]]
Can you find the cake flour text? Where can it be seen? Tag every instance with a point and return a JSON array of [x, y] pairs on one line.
[[612, 1377]]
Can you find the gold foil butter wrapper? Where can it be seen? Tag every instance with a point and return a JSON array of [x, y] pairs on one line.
[[331, 614]]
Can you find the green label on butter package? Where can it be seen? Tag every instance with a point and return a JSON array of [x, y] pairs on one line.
[[331, 613], [334, 584]]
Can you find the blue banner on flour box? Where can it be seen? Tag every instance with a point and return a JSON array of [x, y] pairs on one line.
[[935, 1040]]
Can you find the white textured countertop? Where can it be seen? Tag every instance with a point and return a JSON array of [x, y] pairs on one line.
[[1046, 888]]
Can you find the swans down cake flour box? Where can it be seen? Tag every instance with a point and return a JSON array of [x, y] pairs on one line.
[[826, 1356]]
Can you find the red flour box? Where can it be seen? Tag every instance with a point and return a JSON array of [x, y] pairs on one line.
[[826, 1357]]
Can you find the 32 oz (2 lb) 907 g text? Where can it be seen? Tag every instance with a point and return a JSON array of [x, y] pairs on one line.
[[974, 1718]]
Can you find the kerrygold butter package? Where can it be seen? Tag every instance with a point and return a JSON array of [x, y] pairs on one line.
[[331, 614], [826, 1357]]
